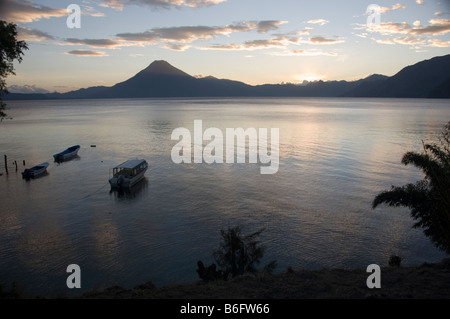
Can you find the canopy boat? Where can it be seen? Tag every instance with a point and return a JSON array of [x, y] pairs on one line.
[[128, 173], [67, 154], [35, 170]]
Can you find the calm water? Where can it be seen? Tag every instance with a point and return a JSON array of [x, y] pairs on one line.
[[335, 156]]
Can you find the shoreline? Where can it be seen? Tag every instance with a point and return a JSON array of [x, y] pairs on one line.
[[427, 281]]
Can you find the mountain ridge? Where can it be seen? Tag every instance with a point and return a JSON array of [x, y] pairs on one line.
[[418, 80], [162, 67], [425, 79]]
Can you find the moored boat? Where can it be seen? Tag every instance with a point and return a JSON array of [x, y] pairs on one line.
[[67, 154], [128, 173], [35, 170]]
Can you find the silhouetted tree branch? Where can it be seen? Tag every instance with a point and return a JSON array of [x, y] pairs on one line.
[[10, 49], [428, 199], [239, 254]]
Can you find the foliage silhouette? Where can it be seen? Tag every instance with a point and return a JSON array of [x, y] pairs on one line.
[[10, 49], [427, 199], [239, 254], [395, 261]]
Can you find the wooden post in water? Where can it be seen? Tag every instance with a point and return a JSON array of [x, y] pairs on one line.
[[6, 164], [23, 162], [15, 163]]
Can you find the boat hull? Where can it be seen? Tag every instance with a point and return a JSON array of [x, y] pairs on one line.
[[35, 171], [126, 182], [69, 153]]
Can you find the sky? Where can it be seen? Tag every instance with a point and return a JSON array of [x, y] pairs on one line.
[[253, 41]]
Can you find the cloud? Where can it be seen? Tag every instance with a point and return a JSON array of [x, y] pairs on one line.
[[189, 34], [114, 4], [436, 26], [177, 47], [318, 21], [27, 34], [384, 41], [361, 35], [88, 10], [26, 89], [416, 36], [393, 8], [382, 10], [312, 52], [419, 1], [87, 53], [229, 46], [119, 4], [304, 52], [440, 13], [322, 40], [185, 34], [262, 44], [177, 38], [96, 43], [398, 6], [438, 43], [268, 25], [253, 45], [409, 40], [405, 40], [27, 11], [143, 37], [279, 41]]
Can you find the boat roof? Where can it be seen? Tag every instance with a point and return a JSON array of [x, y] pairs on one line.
[[131, 163]]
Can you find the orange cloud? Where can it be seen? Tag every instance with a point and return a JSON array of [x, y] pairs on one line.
[[87, 53], [119, 4]]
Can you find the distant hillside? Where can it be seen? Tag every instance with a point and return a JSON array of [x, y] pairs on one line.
[[421, 80], [426, 79], [441, 91]]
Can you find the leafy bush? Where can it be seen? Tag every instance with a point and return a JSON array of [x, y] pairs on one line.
[[395, 261], [239, 254]]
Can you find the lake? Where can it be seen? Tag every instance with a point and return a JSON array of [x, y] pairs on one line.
[[335, 155]]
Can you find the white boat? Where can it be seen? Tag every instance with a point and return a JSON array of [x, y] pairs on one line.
[[128, 173], [67, 154], [35, 170]]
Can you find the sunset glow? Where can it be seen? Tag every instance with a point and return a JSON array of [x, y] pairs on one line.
[[255, 42]]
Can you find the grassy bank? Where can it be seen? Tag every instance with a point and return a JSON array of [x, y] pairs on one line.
[[426, 281]]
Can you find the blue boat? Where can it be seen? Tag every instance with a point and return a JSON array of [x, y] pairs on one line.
[[67, 154], [35, 171]]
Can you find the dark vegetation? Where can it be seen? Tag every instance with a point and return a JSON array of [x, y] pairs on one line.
[[11, 293], [427, 199], [238, 254], [395, 261], [10, 49]]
